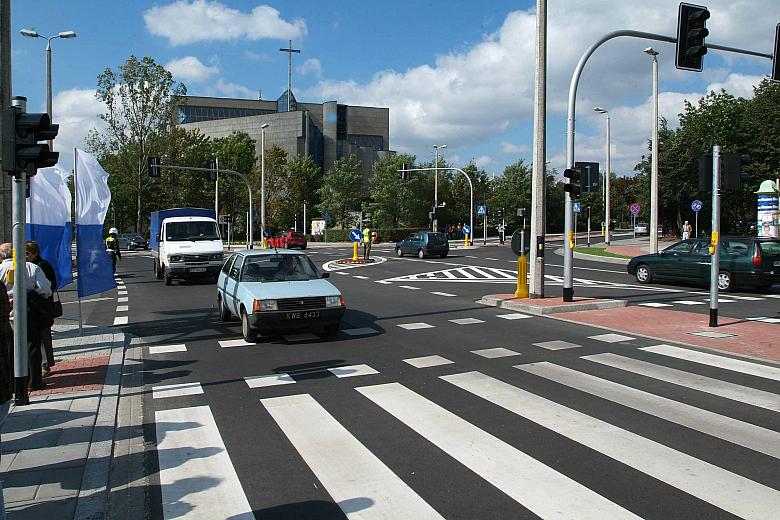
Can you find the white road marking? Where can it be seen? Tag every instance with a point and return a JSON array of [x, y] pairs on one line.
[[746, 298], [731, 492], [197, 478], [471, 256], [268, 380], [122, 308], [342, 274], [428, 361], [738, 432], [415, 326], [384, 282], [656, 304], [164, 349], [466, 274], [688, 302], [352, 371], [611, 338], [409, 287], [122, 300], [493, 353], [229, 343], [119, 293], [494, 259], [524, 479], [443, 294], [346, 468], [120, 320], [365, 331], [513, 316], [557, 345], [90, 300], [713, 360], [466, 321], [360, 277], [177, 390], [690, 380]]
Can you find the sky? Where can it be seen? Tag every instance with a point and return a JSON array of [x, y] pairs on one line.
[[452, 72]]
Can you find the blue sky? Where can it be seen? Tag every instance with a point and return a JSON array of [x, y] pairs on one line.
[[452, 72]]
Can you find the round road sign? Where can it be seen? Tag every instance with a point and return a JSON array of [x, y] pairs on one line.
[[635, 209], [355, 235], [696, 205], [467, 229]]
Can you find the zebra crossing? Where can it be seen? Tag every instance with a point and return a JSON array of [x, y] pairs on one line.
[[675, 390]]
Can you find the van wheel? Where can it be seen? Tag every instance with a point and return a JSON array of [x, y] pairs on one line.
[[167, 276], [725, 281], [157, 271], [249, 334], [398, 252], [224, 313], [420, 253]]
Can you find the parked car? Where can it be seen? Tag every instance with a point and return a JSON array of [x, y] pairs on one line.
[[642, 228], [272, 290], [288, 239], [424, 243], [131, 241], [744, 261]]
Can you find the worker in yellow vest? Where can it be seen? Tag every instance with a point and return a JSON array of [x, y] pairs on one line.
[[366, 243]]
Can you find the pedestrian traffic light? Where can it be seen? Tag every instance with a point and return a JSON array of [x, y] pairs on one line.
[[405, 171], [573, 187], [154, 166], [776, 56], [691, 32], [21, 149]]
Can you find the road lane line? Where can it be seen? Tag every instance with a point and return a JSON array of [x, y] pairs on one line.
[[352, 371], [177, 390], [523, 478], [557, 345], [493, 353], [197, 478], [713, 360], [731, 492], [428, 361], [120, 320], [164, 349], [611, 338], [122, 308], [409, 287], [345, 467], [705, 384], [466, 321], [735, 431], [415, 326], [268, 380], [443, 294]]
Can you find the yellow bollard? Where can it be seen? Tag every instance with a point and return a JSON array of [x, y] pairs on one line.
[[522, 277], [602, 230], [354, 251], [466, 243]]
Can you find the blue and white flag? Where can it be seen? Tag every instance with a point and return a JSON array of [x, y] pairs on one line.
[[49, 220], [92, 200]]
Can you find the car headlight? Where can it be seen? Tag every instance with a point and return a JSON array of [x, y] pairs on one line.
[[334, 301], [264, 305], [217, 256], [175, 258]]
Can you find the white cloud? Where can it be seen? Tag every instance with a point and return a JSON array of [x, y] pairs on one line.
[[254, 56], [483, 161], [229, 89], [76, 111], [310, 66], [183, 22], [190, 68], [514, 149]]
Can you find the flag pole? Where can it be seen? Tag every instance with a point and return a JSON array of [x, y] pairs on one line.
[[76, 232]]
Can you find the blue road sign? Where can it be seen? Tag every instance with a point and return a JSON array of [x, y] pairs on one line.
[[696, 205], [355, 235], [326, 215], [467, 229], [481, 210], [635, 209], [577, 207], [266, 233]]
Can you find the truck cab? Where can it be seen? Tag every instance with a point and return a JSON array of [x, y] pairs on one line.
[[187, 246]]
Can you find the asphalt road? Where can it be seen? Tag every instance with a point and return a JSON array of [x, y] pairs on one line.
[[428, 405]]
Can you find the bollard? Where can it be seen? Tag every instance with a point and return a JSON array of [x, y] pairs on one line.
[[354, 251], [466, 243], [522, 277]]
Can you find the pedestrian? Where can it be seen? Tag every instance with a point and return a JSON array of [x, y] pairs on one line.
[[112, 247], [33, 251], [6, 371], [366, 243], [501, 233], [460, 231], [686, 231]]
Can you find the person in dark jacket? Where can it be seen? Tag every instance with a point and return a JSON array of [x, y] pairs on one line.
[[112, 246], [6, 369], [33, 251]]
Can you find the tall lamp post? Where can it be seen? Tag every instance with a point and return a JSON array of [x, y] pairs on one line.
[[654, 171], [34, 34], [436, 148], [607, 177], [262, 181]]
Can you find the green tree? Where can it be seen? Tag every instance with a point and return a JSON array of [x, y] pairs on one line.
[[302, 178], [388, 191], [275, 186], [340, 192], [237, 152], [512, 190]]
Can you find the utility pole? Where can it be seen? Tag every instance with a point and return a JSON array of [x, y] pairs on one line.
[[539, 175], [289, 50]]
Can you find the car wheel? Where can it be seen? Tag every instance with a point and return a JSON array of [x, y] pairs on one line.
[[224, 313], [725, 281], [644, 274], [167, 277], [444, 255], [420, 253], [250, 335], [398, 252], [332, 330]]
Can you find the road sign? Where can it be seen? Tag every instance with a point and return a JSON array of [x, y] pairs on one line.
[[481, 210], [266, 233], [355, 235], [577, 207], [520, 212], [696, 205], [326, 215], [467, 229], [635, 209], [224, 218]]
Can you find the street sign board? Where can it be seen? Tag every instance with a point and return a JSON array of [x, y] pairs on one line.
[[520, 212], [467, 229], [577, 207], [696, 205], [481, 210], [266, 233], [326, 215], [355, 235], [224, 218], [635, 209]]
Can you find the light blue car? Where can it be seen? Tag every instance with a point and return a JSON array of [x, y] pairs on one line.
[[273, 290]]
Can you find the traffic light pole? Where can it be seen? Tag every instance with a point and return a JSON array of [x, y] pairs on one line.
[[715, 238], [21, 357]]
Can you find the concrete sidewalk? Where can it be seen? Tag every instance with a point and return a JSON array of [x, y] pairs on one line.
[[57, 451]]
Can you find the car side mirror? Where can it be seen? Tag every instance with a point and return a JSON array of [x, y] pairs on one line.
[[157, 237], [662, 252], [326, 275]]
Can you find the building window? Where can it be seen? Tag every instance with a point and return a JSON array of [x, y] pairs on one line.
[[375, 142], [195, 114], [341, 122]]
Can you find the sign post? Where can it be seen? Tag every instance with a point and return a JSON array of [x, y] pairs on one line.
[[696, 206], [355, 236], [634, 211], [466, 234]]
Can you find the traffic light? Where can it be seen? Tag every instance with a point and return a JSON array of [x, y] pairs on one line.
[[691, 32], [212, 166], [590, 176], [21, 149], [731, 168], [573, 187], [776, 56], [153, 164], [704, 169], [405, 171]]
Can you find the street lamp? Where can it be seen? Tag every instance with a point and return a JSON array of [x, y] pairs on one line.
[[262, 180], [607, 177], [34, 34], [654, 171], [436, 148]]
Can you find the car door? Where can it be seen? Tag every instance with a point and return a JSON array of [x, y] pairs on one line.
[[231, 286], [405, 243], [415, 243], [675, 261]]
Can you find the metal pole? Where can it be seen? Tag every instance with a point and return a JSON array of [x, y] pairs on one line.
[[588, 226], [539, 175], [654, 171], [6, 181], [608, 181], [216, 191], [262, 182], [48, 85], [304, 217], [435, 219], [715, 238], [696, 219]]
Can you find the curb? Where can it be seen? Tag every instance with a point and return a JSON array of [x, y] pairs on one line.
[[595, 258], [540, 310]]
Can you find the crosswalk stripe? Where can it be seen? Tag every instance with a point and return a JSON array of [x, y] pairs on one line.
[[197, 477], [731, 492], [437, 293], [480, 272], [523, 478], [269, 380], [120, 320], [346, 468], [705, 384], [229, 343], [352, 371], [502, 273], [738, 432], [176, 390], [466, 274], [736, 365], [164, 349]]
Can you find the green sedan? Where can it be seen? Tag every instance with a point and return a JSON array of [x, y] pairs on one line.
[[744, 261]]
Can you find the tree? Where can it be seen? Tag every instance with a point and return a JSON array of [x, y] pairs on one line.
[[275, 185], [140, 98], [237, 152], [389, 190], [302, 178], [512, 190], [340, 192]]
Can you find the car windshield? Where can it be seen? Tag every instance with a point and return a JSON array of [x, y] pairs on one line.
[[192, 230], [279, 268]]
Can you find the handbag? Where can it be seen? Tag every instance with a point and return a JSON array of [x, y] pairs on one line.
[[56, 310]]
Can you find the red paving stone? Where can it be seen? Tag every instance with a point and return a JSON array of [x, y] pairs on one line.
[[751, 338], [75, 376]]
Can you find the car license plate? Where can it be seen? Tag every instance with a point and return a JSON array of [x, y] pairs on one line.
[[302, 315], [197, 269]]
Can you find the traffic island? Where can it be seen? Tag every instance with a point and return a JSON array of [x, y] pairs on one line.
[[549, 305], [359, 261]]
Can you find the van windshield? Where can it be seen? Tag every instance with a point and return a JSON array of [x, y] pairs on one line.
[[190, 231]]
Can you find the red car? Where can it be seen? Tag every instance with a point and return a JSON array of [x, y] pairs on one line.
[[288, 240]]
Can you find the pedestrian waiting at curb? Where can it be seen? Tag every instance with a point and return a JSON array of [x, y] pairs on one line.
[[34, 255], [6, 372], [686, 230]]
